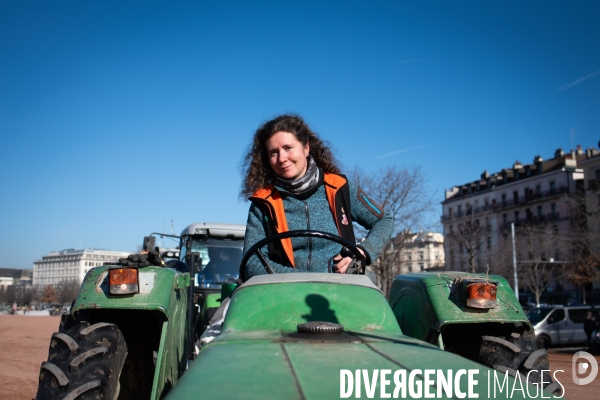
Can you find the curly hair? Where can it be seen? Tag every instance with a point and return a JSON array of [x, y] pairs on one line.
[[256, 170]]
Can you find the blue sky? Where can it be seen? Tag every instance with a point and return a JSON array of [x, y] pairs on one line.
[[117, 117]]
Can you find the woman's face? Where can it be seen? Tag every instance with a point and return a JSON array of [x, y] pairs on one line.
[[287, 156]]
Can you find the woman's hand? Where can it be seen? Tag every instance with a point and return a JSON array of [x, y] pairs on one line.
[[341, 263]]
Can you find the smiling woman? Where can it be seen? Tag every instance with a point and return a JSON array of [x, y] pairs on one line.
[[294, 183], [287, 156]]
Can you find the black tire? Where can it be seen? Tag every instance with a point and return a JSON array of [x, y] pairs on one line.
[[518, 354], [543, 342], [84, 362]]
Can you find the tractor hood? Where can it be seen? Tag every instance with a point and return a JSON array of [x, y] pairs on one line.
[[271, 365]]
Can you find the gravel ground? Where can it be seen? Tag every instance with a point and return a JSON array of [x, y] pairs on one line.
[[24, 341]]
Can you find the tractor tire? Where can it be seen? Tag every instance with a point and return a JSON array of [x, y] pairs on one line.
[[518, 354], [84, 362]]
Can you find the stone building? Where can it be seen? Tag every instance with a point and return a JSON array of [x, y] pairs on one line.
[[591, 172], [14, 277], [477, 216], [70, 265], [421, 251]]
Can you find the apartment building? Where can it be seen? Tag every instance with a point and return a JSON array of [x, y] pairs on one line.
[[70, 265], [591, 173], [420, 251], [477, 216]]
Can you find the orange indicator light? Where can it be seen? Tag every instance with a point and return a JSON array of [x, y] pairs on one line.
[[481, 295], [123, 280]]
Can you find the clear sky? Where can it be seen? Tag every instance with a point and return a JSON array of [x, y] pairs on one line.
[[118, 116]]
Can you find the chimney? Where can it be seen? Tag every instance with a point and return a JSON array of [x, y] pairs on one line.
[[579, 150], [559, 153], [485, 174], [537, 159], [517, 165]]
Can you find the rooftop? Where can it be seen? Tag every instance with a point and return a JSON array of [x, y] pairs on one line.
[[520, 171]]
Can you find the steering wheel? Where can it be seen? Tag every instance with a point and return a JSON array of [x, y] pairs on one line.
[[255, 249]]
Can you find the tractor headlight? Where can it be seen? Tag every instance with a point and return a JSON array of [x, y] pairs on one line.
[[123, 280]]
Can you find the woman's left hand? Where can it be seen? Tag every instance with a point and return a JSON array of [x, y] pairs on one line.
[[341, 264]]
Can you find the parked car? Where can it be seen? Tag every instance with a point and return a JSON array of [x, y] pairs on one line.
[[595, 342], [559, 326]]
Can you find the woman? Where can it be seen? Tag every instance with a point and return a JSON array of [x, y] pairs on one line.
[[293, 181]]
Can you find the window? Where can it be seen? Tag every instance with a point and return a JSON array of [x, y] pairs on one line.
[[535, 315], [504, 218], [503, 199], [489, 242], [556, 316], [552, 187], [516, 197], [409, 256], [420, 255], [421, 267], [538, 190], [540, 211], [578, 315], [516, 216]]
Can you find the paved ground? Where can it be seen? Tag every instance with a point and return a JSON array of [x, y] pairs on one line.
[[24, 343], [561, 359]]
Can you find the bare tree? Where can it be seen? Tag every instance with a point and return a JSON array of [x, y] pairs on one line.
[[583, 271], [466, 237], [8, 294], [66, 291], [538, 248], [402, 192], [585, 239], [23, 294]]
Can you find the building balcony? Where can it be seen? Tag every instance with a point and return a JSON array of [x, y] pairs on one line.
[[509, 203], [541, 219]]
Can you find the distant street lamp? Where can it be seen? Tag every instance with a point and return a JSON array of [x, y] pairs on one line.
[[516, 278]]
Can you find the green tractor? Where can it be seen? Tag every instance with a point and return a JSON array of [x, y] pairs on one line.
[[316, 336], [473, 315], [284, 336], [132, 332]]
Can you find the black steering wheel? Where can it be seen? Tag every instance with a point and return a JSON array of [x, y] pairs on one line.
[[255, 249]]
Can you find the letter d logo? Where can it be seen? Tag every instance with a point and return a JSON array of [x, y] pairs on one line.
[[582, 367]]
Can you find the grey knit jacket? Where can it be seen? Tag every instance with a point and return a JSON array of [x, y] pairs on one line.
[[319, 219]]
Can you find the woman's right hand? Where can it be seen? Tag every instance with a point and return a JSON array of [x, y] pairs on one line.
[[340, 264]]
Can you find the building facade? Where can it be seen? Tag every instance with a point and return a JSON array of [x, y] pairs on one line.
[[421, 251], [70, 265], [591, 172], [477, 216], [14, 277]]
